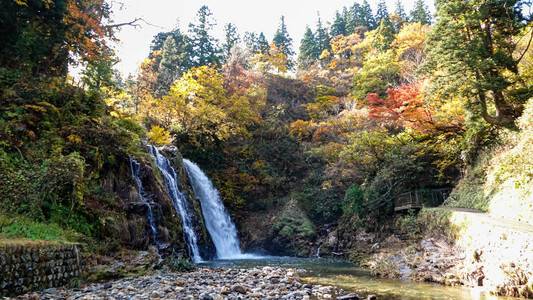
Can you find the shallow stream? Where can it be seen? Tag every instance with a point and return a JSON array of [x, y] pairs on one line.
[[352, 278]]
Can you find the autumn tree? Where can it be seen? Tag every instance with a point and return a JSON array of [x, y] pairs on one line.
[[472, 54], [275, 61], [44, 37], [409, 48]]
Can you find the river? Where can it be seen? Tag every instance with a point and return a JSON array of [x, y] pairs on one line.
[[352, 278]]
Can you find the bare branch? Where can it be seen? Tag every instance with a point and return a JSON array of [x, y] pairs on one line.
[[133, 23]]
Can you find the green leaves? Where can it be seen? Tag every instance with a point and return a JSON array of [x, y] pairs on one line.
[[471, 49]]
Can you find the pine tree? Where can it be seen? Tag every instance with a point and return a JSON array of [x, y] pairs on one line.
[[365, 17], [205, 50], [256, 43], [475, 56], [174, 60], [339, 25], [400, 10], [262, 43], [382, 12], [321, 37], [168, 66], [231, 38], [283, 41], [308, 49], [353, 18], [385, 35], [282, 38], [420, 13]]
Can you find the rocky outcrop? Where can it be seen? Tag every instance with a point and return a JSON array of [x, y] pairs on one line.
[[127, 225], [207, 248], [486, 253]]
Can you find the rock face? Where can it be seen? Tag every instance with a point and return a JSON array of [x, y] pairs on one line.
[[127, 226], [207, 248], [488, 252]]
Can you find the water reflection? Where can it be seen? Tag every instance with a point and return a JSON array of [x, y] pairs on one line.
[[351, 278]]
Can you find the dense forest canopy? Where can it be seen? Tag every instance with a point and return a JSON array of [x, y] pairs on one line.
[[374, 104]]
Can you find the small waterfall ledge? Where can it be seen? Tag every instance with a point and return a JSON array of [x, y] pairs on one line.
[[135, 169], [179, 202]]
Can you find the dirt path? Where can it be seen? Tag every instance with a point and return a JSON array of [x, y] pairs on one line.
[[485, 217]]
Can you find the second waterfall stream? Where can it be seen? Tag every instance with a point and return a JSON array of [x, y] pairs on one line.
[[217, 220]]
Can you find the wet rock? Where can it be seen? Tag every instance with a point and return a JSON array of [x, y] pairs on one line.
[[349, 297], [239, 289]]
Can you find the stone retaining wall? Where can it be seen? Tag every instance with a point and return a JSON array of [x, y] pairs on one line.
[[28, 267]]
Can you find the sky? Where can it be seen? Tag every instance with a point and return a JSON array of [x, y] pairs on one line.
[[247, 15]]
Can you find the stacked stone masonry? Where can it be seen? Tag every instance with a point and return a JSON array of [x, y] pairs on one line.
[[30, 267]]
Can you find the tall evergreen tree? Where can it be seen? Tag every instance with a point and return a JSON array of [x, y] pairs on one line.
[[476, 57], [282, 38], [400, 10], [308, 49], [321, 37], [262, 43], [382, 12], [169, 65], [205, 49], [385, 35], [231, 38], [353, 19], [420, 13], [339, 25], [365, 16], [256, 43]]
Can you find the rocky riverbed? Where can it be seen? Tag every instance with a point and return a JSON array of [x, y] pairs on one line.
[[204, 284]]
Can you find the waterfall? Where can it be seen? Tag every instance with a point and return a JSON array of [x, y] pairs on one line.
[[218, 222], [179, 201], [135, 169]]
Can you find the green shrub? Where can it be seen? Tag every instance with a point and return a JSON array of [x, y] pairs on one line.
[[354, 199], [409, 224], [19, 227], [178, 264]]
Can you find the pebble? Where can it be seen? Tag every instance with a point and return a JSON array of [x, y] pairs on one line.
[[204, 284]]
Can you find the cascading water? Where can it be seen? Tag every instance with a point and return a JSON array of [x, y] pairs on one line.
[[135, 169], [218, 223], [179, 201]]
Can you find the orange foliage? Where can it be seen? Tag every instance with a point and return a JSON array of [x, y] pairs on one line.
[[87, 35], [302, 130], [404, 105]]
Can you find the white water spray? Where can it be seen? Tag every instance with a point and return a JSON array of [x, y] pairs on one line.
[[217, 220]]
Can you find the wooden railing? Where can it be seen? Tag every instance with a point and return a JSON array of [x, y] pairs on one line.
[[419, 198]]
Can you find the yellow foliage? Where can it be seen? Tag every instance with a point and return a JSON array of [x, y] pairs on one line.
[[74, 138], [159, 136], [275, 61]]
